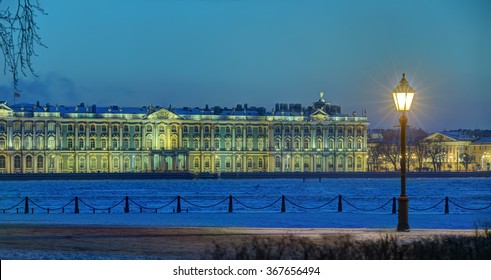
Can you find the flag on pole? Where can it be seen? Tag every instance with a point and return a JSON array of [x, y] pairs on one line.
[[16, 95]]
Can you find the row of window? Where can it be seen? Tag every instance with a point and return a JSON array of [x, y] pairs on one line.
[[318, 130], [40, 163], [28, 126], [103, 144]]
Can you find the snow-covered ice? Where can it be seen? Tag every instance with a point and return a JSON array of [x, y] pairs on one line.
[[249, 197]]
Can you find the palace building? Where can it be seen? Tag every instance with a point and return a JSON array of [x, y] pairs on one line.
[[38, 138]]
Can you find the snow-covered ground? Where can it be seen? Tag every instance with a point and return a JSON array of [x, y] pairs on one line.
[[205, 202]]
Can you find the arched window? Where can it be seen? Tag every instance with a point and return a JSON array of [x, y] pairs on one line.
[[93, 163], [3, 143], [228, 144], [359, 163], [81, 143], [51, 143], [174, 142], [350, 144], [16, 143], [162, 142], [249, 162], [28, 143], [3, 164], [196, 163], [104, 163], [287, 144], [70, 163], [81, 163], [306, 163], [340, 144], [126, 163], [331, 144], [17, 162], [297, 144], [207, 162], [340, 161], [306, 143], [228, 162], [277, 162], [137, 163], [296, 162], [115, 163], [28, 161], [126, 144], [277, 143], [260, 163], [40, 143], [260, 144], [40, 162], [104, 144]]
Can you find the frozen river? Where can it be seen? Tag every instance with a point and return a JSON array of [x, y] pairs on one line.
[[256, 203]]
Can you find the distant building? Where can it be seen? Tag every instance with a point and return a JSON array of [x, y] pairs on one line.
[[38, 138], [460, 149]]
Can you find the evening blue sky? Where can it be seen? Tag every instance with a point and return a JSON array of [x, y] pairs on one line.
[[228, 52]]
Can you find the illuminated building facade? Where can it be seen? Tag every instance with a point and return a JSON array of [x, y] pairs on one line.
[[38, 138], [462, 152]]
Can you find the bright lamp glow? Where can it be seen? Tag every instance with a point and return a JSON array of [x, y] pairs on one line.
[[403, 95], [403, 100]]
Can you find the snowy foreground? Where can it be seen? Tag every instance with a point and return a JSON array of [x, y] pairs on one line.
[[310, 206]]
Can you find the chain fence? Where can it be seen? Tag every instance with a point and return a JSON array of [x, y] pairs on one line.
[[178, 201]]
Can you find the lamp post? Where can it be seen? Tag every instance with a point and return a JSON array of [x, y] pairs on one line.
[[403, 96]]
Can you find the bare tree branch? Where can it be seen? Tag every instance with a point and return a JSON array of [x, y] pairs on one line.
[[19, 37]]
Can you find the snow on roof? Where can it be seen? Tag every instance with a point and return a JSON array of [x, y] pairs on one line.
[[483, 140], [457, 135]]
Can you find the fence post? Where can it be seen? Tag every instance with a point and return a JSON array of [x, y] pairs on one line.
[[178, 204], [446, 205], [230, 205], [340, 204], [393, 205], [127, 205], [76, 205], [26, 207], [283, 206]]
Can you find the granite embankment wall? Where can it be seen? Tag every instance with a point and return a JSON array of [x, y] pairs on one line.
[[235, 175]]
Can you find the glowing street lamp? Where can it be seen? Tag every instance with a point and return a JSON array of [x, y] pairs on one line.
[[403, 97]]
